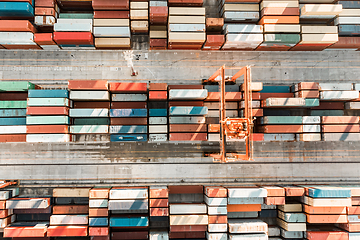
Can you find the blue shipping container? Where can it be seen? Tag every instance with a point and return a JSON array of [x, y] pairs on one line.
[[138, 112], [98, 222], [12, 121], [157, 112], [128, 138], [328, 192], [56, 93], [16, 9], [13, 112], [129, 222]]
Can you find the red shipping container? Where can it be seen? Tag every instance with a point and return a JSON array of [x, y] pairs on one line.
[[159, 212], [215, 192], [21, 46], [111, 14], [122, 105], [91, 105], [47, 129], [129, 235], [327, 235], [184, 235], [340, 120], [188, 228], [158, 95], [186, 103], [158, 86], [340, 128], [71, 209], [329, 105], [100, 237], [128, 121], [13, 138], [257, 112], [98, 212], [159, 203], [41, 11], [281, 128], [257, 137], [16, 26], [214, 24], [74, 38], [214, 42], [217, 219], [158, 11], [45, 3], [285, 11], [4, 213], [276, 95], [324, 210], [353, 210], [9, 96], [307, 86], [13, 232], [186, 189], [187, 128], [229, 96], [273, 48], [127, 87], [347, 42], [158, 44], [275, 200], [293, 191], [188, 136], [309, 47], [308, 94], [2, 204], [213, 128], [44, 39], [67, 231], [185, 3], [47, 111], [159, 193], [88, 84], [185, 87], [98, 231], [110, 4]]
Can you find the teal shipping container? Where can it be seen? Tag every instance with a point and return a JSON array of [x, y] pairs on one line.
[[13, 112], [157, 112], [275, 89], [16, 86], [281, 120], [16, 9], [12, 121], [53, 93], [138, 112], [89, 112], [98, 222], [329, 192], [129, 221], [13, 104]]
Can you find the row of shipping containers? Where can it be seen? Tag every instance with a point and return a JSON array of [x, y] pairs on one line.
[[131, 111], [263, 25], [184, 212]]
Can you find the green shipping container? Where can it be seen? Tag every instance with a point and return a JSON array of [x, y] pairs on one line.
[[281, 120], [312, 102], [76, 15], [47, 120], [16, 86], [282, 38], [13, 104]]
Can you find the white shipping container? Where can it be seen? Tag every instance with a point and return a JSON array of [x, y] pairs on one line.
[[158, 235], [27, 203], [90, 95], [98, 203], [341, 137], [188, 209], [254, 104], [308, 137], [350, 13], [44, 21], [12, 129], [291, 234], [319, 29], [71, 192], [311, 119], [129, 193], [311, 128], [255, 236], [157, 137], [245, 200], [335, 86], [281, 28], [339, 95], [139, 5], [347, 20], [190, 11], [128, 97], [321, 9], [215, 201], [214, 137], [186, 19], [279, 137], [22, 38], [111, 23], [157, 120], [229, 113], [352, 105], [274, 231], [291, 226], [187, 94], [216, 236], [217, 210], [73, 27], [279, 4], [216, 228], [88, 112], [68, 220], [47, 138], [327, 202], [247, 192], [319, 38], [158, 129], [188, 219], [247, 226], [242, 28], [290, 207], [4, 195], [198, 37]]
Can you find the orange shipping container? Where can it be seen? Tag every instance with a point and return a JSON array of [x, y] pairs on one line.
[[158, 95], [101, 193], [229, 96], [88, 85], [244, 207], [308, 94], [159, 193], [281, 129], [275, 191], [21, 46], [257, 137], [13, 138], [307, 86], [14, 232], [340, 120], [2, 204], [47, 129], [47, 111], [186, 189], [127, 87], [292, 191], [44, 39], [187, 128], [67, 231], [310, 218], [158, 86], [159, 212], [40, 11], [217, 219], [355, 210], [16, 26], [279, 20], [45, 3], [4, 213], [324, 210], [188, 136], [98, 212], [71, 209], [215, 192], [159, 203], [327, 235], [284, 11], [214, 128], [340, 128], [98, 231], [275, 200]]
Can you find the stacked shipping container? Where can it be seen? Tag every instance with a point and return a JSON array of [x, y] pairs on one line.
[[158, 128]]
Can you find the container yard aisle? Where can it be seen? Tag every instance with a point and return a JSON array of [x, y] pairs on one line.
[[178, 67]]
